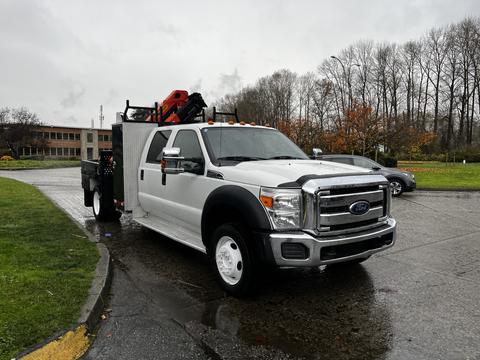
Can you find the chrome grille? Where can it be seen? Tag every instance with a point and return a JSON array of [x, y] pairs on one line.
[[329, 201], [334, 214]]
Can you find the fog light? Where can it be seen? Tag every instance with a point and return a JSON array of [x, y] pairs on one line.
[[295, 251]]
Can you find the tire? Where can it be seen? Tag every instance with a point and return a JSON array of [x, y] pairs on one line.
[[231, 259], [349, 263], [397, 186], [100, 210]]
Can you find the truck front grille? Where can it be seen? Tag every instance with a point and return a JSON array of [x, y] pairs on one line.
[[335, 217]]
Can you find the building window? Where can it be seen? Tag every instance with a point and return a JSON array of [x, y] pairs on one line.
[[59, 136], [65, 151], [46, 135], [100, 137], [77, 152], [53, 136], [77, 136], [59, 151], [71, 136], [89, 138], [53, 151], [72, 151], [65, 136]]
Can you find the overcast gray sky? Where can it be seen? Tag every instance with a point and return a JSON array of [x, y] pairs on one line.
[[62, 59]]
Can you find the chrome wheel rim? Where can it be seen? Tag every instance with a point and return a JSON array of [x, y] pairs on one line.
[[96, 202], [396, 187], [229, 260]]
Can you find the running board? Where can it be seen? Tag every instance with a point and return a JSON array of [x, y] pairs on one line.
[[170, 230]]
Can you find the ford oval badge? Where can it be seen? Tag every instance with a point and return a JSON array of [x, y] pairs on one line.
[[359, 207]]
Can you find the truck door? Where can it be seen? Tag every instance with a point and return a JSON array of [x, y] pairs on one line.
[[150, 189], [186, 192]]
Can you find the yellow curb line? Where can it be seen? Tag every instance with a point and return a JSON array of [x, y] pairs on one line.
[[70, 346]]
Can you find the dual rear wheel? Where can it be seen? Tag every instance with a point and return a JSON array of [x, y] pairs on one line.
[[103, 210]]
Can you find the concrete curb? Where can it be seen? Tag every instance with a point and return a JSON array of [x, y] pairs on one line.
[[448, 190], [98, 293]]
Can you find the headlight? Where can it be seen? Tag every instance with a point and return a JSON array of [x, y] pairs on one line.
[[409, 175], [283, 206]]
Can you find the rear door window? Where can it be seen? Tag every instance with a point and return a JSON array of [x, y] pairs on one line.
[[159, 141]]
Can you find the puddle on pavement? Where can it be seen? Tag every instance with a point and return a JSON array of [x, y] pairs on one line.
[[323, 313]]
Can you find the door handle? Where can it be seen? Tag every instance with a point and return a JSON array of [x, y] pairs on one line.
[[141, 174]]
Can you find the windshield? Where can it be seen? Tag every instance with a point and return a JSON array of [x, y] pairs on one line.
[[235, 144]]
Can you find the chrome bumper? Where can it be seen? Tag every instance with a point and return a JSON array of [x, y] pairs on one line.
[[364, 244]]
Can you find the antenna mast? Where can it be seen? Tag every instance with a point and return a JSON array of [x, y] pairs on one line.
[[101, 117]]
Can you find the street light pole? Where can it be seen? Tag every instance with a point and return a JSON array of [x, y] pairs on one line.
[[349, 84]]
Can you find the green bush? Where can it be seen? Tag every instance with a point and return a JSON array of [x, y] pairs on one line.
[[387, 160]]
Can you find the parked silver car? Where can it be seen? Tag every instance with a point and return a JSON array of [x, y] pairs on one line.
[[400, 181]]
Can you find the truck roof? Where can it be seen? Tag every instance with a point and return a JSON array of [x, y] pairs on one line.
[[202, 125]]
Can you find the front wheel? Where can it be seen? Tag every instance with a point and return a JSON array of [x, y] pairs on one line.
[[397, 187], [231, 259]]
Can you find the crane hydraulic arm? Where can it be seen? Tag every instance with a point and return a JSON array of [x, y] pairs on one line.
[[179, 107]]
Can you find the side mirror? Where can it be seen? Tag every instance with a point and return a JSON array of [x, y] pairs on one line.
[[376, 168], [171, 161], [317, 153]]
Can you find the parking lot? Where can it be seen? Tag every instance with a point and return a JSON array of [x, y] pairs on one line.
[[418, 300]]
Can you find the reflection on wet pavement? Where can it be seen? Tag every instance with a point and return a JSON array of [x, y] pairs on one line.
[[300, 312]]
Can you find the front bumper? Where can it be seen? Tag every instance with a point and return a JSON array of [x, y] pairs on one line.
[[410, 186], [335, 249]]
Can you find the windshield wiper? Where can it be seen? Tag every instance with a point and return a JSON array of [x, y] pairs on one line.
[[240, 158], [280, 157]]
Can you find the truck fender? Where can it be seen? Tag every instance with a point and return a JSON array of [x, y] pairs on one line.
[[231, 198]]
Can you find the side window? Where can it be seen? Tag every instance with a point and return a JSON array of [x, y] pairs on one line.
[[158, 143], [364, 163], [187, 141]]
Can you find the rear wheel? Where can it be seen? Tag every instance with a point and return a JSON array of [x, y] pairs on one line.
[[98, 206], [102, 210], [231, 259]]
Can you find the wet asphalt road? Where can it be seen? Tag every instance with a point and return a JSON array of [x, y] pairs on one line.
[[419, 300]]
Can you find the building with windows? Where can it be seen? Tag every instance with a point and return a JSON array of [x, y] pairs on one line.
[[68, 142]]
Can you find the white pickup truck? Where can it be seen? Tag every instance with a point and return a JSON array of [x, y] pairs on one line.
[[243, 194]]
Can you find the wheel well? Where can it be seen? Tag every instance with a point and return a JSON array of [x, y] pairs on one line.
[[397, 179], [218, 215], [87, 198]]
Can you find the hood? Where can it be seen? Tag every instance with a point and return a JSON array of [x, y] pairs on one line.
[[272, 173]]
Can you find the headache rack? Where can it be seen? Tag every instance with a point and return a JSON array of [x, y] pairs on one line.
[[156, 115]]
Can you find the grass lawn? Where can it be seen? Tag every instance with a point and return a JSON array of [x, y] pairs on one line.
[[46, 267], [37, 164], [437, 175]]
